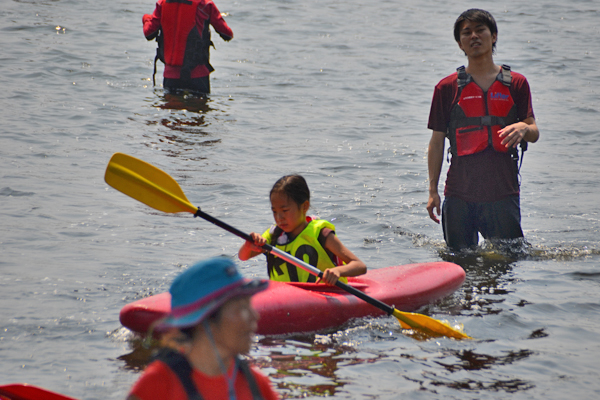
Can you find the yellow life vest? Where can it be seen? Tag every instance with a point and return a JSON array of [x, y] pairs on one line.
[[305, 246]]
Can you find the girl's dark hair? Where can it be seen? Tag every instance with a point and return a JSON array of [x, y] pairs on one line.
[[294, 186], [476, 15]]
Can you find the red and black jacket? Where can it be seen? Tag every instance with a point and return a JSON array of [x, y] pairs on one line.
[[179, 41], [478, 116]]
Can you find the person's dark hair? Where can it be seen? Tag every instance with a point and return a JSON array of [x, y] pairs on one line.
[[476, 15], [294, 186], [189, 332]]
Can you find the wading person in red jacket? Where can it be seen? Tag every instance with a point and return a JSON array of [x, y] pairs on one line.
[[181, 28], [485, 111]]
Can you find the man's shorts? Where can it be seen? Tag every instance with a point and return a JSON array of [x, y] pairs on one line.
[[462, 221]]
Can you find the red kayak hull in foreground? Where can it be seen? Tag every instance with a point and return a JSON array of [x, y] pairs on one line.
[[24, 391], [307, 307]]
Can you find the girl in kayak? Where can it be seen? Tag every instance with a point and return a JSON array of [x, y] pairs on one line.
[[309, 239], [211, 322]]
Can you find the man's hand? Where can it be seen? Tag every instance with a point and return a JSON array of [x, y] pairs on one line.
[[433, 207]]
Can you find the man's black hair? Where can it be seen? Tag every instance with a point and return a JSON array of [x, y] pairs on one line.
[[476, 15]]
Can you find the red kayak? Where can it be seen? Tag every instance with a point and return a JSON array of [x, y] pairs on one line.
[[309, 307], [24, 391]]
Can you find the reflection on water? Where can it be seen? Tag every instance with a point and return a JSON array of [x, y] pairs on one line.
[[304, 367], [299, 366], [468, 360], [510, 386], [199, 104], [187, 125], [139, 357], [312, 365], [489, 276]]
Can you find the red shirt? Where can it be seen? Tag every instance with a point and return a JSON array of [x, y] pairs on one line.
[[205, 10], [160, 382], [489, 175]]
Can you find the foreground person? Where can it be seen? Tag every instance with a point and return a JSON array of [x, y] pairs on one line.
[[485, 111], [300, 235], [211, 323]]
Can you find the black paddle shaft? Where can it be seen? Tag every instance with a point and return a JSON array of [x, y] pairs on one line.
[[371, 300], [374, 302], [225, 226]]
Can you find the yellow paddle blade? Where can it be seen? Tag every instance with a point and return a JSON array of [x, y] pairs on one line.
[[146, 183], [427, 324]]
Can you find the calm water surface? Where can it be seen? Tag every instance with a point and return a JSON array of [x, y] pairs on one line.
[[338, 91]]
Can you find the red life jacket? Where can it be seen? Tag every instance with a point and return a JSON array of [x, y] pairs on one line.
[[478, 116], [182, 44]]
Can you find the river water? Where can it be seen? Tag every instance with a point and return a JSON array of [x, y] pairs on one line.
[[338, 91]]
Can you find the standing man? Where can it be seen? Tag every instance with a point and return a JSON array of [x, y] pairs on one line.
[[181, 28], [485, 111]]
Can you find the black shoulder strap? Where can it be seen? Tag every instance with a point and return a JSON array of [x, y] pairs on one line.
[[463, 78], [245, 369], [182, 368], [160, 53], [523, 146], [505, 75], [506, 78]]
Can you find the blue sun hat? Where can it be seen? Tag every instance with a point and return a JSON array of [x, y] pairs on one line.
[[204, 287]]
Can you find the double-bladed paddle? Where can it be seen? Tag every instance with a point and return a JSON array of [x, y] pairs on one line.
[[157, 189]]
